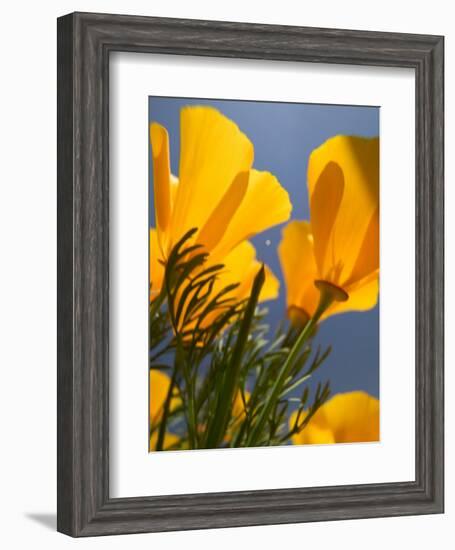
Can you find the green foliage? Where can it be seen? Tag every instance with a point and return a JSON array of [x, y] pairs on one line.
[[215, 348]]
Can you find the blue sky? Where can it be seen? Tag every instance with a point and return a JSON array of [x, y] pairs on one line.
[[283, 135]]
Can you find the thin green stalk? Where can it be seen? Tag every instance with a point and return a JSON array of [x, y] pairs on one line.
[[156, 304], [164, 417], [223, 408], [192, 420], [326, 299], [179, 360]]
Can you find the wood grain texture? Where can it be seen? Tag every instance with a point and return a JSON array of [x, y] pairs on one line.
[[84, 43]]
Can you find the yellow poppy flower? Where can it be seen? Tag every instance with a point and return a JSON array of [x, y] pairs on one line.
[[339, 248], [218, 193], [345, 418], [159, 386]]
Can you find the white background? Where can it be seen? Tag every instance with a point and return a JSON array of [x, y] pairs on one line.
[[132, 469], [28, 273]]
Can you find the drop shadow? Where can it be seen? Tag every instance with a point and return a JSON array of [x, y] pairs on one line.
[[47, 520]]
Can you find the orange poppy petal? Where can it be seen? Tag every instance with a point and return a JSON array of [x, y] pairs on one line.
[[156, 272], [266, 204], [358, 160], [353, 416], [345, 418], [324, 205], [159, 140], [215, 227], [299, 266], [213, 151]]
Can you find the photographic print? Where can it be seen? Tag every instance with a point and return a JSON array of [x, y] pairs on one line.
[[264, 274], [303, 365]]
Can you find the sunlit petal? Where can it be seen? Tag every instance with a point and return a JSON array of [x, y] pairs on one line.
[[242, 267], [299, 266], [271, 287], [316, 432], [215, 227], [212, 152], [345, 418], [353, 417], [266, 204], [159, 387], [156, 267], [159, 140], [358, 160], [368, 258], [324, 205]]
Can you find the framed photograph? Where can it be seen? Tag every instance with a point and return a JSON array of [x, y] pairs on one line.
[[250, 274]]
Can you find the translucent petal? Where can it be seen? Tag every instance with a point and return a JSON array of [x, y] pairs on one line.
[[324, 205], [353, 416], [299, 266], [159, 140], [345, 418], [156, 267], [159, 386], [266, 204], [212, 152], [358, 160], [215, 227]]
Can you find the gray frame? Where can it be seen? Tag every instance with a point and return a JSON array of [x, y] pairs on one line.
[[84, 44]]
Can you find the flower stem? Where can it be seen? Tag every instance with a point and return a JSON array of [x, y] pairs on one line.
[[191, 405], [223, 409], [156, 303], [165, 413], [325, 300]]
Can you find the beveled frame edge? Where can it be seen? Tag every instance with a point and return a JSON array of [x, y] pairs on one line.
[[83, 504]]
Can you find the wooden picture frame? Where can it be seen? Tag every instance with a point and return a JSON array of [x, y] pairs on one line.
[[84, 44]]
